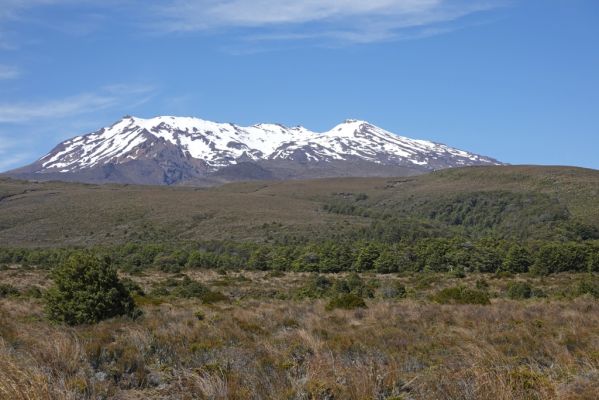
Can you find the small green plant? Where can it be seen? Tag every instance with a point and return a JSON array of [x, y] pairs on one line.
[[395, 290], [200, 316], [189, 289], [346, 301], [87, 290], [7, 290], [461, 295], [587, 286], [519, 291]]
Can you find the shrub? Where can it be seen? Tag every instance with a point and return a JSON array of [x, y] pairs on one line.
[[7, 290], [519, 291], [588, 286], [189, 288], [394, 290], [594, 260], [346, 301], [461, 295], [353, 284], [87, 290], [200, 316], [317, 286]]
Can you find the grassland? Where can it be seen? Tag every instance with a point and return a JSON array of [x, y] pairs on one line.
[[450, 319], [270, 336], [66, 214]]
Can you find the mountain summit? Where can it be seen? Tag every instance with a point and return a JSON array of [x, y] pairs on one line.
[[183, 150]]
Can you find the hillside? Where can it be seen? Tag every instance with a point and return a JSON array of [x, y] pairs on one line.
[[509, 201]]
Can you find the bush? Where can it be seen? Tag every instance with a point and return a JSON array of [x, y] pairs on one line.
[[87, 290], [517, 260], [461, 295], [394, 290], [189, 288], [519, 291], [588, 286], [7, 290], [317, 286], [346, 301]]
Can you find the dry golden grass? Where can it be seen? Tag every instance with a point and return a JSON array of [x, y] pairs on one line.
[[263, 346]]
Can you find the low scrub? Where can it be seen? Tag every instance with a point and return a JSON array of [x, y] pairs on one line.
[[523, 290], [461, 295], [346, 301]]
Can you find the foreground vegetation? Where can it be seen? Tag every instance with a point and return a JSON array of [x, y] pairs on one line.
[[472, 283], [265, 335]]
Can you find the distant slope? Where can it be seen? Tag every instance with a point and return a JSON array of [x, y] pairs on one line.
[[180, 150], [513, 201]]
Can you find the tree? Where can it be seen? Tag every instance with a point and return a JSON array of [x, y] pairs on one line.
[[594, 260], [560, 257], [387, 262], [87, 290], [367, 255], [517, 260]]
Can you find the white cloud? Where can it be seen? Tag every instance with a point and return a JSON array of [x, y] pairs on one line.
[[107, 97], [338, 20]]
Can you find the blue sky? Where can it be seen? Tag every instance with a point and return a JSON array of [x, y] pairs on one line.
[[514, 79]]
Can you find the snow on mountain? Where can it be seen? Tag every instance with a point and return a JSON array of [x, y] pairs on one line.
[[219, 145]]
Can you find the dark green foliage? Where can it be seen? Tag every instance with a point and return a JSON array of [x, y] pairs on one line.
[[132, 287], [188, 288], [318, 286], [519, 291], [394, 290], [260, 259], [517, 260], [588, 286], [593, 264], [7, 290], [461, 295], [387, 262], [560, 257], [502, 212], [353, 284], [87, 290], [366, 257], [346, 301]]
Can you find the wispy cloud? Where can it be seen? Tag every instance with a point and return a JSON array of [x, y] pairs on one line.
[[354, 21], [9, 72], [107, 97]]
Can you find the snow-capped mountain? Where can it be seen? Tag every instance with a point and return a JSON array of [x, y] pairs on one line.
[[189, 150]]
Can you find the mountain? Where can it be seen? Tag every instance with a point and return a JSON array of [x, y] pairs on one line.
[[181, 150]]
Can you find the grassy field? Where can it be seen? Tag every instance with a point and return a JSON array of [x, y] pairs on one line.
[[475, 303], [63, 214], [275, 336]]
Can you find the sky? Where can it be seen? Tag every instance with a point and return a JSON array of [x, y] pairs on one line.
[[517, 80]]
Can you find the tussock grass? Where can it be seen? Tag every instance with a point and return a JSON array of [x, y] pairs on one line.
[[259, 346]]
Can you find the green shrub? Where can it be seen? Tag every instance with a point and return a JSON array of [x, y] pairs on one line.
[[519, 291], [200, 316], [395, 290], [7, 290], [87, 290], [346, 301], [189, 288], [316, 287], [353, 284], [461, 295], [588, 286]]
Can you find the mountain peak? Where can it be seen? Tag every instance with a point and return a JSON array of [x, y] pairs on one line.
[[200, 148]]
